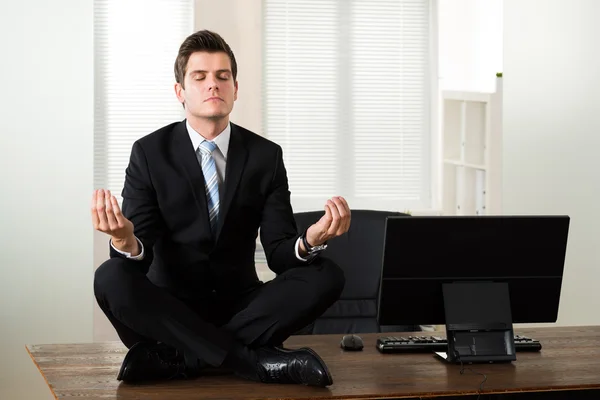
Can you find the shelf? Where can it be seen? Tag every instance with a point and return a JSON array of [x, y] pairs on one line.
[[449, 190], [452, 129], [474, 142], [471, 151], [465, 186], [464, 190], [467, 96], [464, 164]]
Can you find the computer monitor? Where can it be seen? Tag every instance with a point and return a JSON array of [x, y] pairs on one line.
[[521, 257]]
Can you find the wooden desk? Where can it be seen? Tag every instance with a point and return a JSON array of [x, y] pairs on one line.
[[569, 361]]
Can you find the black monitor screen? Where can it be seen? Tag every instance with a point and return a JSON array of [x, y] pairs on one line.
[[422, 253]]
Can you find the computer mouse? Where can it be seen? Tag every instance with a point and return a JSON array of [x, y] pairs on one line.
[[352, 343]]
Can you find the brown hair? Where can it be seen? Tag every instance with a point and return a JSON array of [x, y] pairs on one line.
[[205, 40]]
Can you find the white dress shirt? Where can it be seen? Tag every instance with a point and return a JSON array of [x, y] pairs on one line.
[[220, 156]]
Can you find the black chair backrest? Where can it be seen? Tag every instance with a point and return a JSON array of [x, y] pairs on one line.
[[359, 253]]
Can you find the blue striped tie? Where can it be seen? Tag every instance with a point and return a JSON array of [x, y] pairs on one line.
[[211, 179]]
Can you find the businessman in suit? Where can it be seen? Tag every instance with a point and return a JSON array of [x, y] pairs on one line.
[[180, 286]]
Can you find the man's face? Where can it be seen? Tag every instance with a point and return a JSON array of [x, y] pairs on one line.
[[209, 87]]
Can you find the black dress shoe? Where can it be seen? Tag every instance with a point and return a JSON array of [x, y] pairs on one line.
[[302, 366], [150, 361]]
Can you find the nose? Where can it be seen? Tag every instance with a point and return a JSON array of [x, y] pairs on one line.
[[212, 83]]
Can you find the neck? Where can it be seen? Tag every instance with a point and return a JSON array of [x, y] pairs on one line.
[[208, 128]]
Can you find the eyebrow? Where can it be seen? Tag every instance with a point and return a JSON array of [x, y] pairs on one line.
[[201, 71]]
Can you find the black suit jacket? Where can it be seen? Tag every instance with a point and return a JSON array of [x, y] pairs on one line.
[[164, 197]]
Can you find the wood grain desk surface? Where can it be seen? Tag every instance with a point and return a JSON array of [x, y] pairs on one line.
[[569, 360]]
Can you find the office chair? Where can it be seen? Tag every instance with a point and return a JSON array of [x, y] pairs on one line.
[[359, 253]]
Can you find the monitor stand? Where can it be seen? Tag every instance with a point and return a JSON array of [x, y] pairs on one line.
[[478, 323]]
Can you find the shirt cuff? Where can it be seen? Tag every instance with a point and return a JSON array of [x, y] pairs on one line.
[[297, 248], [128, 255]]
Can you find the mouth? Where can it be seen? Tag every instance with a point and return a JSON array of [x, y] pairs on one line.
[[213, 99]]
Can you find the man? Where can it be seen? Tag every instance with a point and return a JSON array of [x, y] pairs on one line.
[[181, 287]]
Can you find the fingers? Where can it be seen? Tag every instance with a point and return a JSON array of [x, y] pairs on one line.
[[95, 219], [340, 213], [101, 211], [344, 210], [336, 220], [328, 217], [335, 223], [107, 216], [117, 210], [345, 203], [325, 220], [110, 215]]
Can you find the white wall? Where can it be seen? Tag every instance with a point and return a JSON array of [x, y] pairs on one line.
[[552, 133], [46, 133], [470, 44]]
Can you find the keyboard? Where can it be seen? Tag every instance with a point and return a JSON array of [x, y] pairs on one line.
[[427, 344]]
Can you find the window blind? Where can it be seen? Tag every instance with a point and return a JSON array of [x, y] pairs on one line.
[[135, 46], [347, 96]]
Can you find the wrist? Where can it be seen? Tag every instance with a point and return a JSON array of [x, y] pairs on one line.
[[311, 247], [127, 245], [311, 239]]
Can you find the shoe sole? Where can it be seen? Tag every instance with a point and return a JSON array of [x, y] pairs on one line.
[[329, 377], [123, 370]]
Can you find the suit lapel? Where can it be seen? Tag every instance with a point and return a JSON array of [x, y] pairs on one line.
[[186, 156], [236, 159]]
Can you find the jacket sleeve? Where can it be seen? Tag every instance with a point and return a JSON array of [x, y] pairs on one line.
[[278, 230], [140, 206]]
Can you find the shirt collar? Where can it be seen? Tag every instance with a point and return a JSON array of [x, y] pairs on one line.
[[222, 139]]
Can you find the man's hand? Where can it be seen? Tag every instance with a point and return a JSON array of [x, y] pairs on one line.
[[107, 218], [335, 222]]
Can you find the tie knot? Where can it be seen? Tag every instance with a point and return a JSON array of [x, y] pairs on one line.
[[207, 147]]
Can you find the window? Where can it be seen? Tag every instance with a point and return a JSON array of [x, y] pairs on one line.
[[135, 46], [347, 95]]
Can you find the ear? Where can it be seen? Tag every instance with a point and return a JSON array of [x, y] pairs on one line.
[[235, 91], [179, 92]]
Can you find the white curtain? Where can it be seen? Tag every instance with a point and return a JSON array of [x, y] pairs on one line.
[[135, 46], [347, 91]]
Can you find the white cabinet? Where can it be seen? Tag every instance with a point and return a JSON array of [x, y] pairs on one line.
[[471, 152]]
